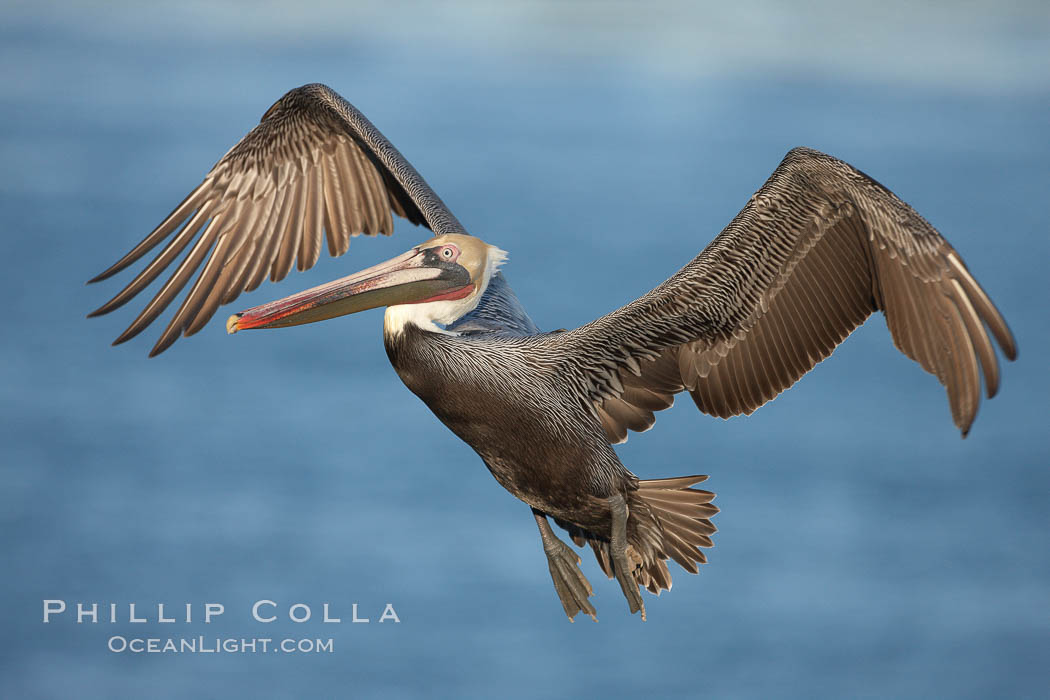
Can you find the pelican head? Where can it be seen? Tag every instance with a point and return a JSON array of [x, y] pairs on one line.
[[436, 282]]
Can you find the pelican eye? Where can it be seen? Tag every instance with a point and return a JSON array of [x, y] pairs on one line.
[[449, 253]]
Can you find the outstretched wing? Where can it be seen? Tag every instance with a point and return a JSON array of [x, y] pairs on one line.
[[313, 164], [816, 250]]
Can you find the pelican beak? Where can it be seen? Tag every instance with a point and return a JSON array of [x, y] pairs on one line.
[[412, 278]]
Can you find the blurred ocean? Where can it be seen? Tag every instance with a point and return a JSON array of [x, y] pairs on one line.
[[864, 549]]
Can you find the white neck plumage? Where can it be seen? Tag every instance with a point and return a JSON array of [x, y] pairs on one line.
[[433, 316]]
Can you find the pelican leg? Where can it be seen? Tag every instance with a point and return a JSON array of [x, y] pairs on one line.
[[618, 553], [572, 587]]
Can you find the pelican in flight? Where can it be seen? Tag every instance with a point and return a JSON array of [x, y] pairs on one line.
[[815, 251]]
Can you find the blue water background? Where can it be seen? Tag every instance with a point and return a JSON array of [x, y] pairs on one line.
[[864, 549]]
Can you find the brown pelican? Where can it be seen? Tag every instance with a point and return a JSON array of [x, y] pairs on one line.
[[816, 250]]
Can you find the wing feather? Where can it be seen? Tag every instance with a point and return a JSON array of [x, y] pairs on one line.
[[819, 248], [313, 219], [291, 238], [313, 168]]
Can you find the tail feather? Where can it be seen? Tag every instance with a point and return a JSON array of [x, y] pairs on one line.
[[672, 521], [601, 554], [668, 520], [675, 483]]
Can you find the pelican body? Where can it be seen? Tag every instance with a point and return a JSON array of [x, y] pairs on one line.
[[817, 249]]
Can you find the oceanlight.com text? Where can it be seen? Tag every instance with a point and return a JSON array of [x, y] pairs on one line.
[[218, 645]]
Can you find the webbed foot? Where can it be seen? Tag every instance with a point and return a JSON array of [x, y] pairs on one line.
[[572, 586]]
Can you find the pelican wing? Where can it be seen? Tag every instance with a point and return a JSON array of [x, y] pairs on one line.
[[816, 250], [313, 168]]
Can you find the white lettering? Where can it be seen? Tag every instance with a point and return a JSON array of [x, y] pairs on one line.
[[389, 614], [356, 618], [212, 610], [259, 604], [131, 615], [53, 606], [291, 613], [83, 612], [160, 614], [326, 616]]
